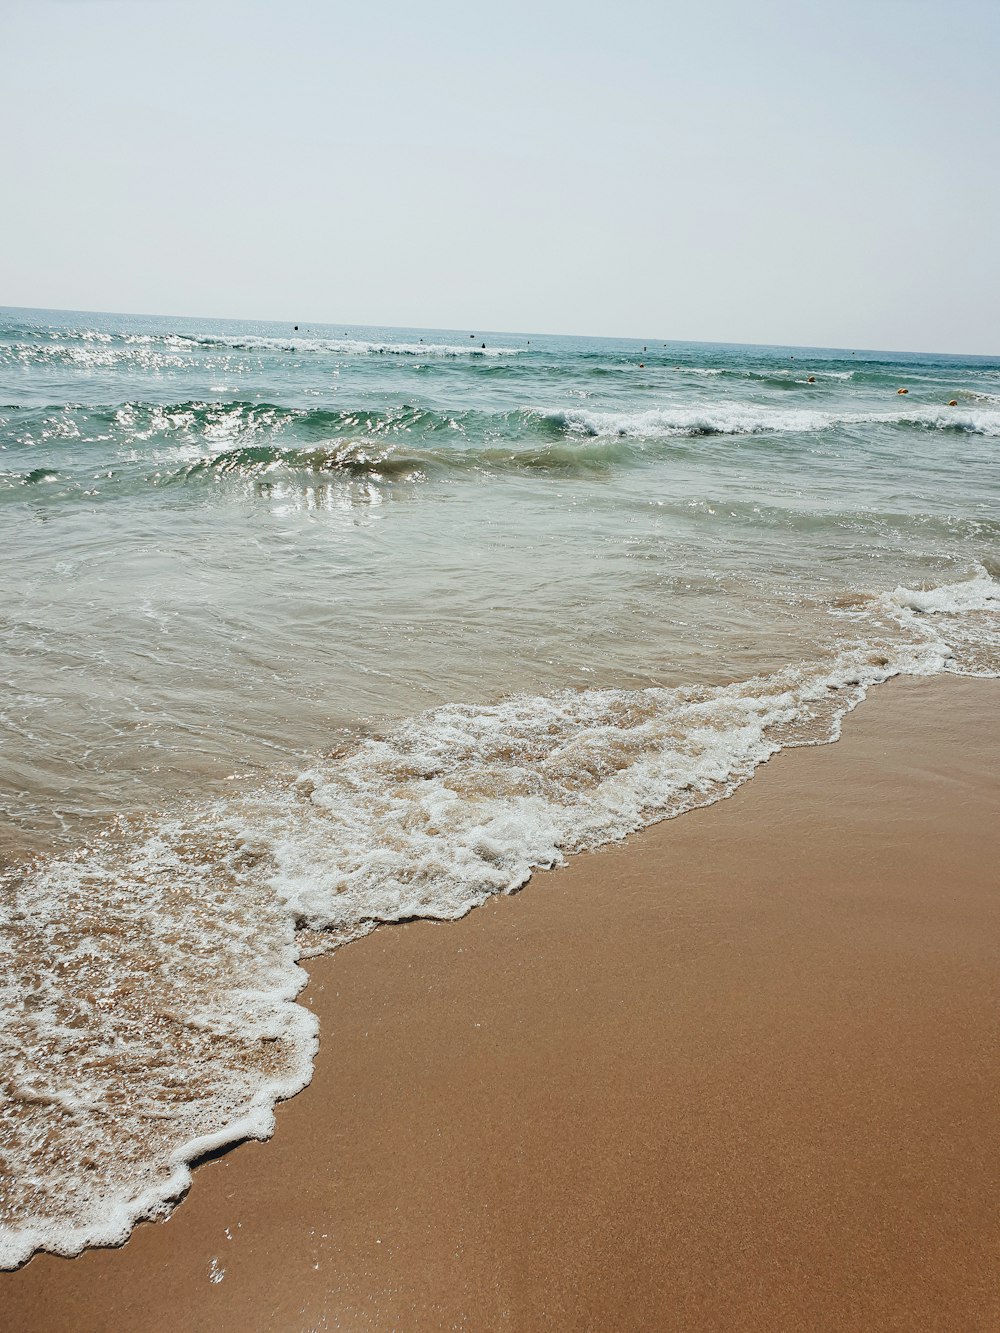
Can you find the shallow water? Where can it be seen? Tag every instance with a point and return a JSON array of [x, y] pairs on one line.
[[307, 630]]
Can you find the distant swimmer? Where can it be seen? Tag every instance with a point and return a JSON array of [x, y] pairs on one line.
[[296, 328], [902, 391], [642, 365], [811, 379], [484, 347], [953, 402]]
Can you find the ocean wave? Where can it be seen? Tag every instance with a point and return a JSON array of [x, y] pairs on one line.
[[90, 349], [754, 419], [772, 378], [356, 460], [94, 354], [981, 592], [710, 418], [487, 436], [197, 441], [364, 347], [148, 982], [144, 444], [193, 428]]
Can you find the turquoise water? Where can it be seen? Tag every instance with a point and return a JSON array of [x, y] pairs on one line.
[[302, 631], [226, 542]]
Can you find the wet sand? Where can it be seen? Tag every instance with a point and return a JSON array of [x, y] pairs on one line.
[[741, 1072]]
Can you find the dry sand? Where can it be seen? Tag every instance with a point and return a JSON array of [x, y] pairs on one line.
[[739, 1073]]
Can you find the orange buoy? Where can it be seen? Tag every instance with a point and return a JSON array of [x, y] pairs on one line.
[[902, 391], [953, 402]]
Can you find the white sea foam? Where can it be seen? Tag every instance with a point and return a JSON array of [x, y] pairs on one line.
[[148, 984], [96, 351], [979, 593], [964, 616], [741, 418], [149, 1018], [356, 346], [464, 802]]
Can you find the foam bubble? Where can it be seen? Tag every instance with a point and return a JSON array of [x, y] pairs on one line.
[[356, 346], [979, 593], [148, 984], [147, 990], [740, 418], [962, 616]]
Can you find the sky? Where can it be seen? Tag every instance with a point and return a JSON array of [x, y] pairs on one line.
[[811, 173]]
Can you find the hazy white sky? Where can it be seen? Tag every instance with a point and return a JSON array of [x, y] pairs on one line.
[[744, 170]]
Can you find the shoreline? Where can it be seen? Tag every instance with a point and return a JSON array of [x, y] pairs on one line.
[[738, 1071]]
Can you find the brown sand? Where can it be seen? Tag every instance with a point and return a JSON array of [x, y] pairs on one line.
[[741, 1073]]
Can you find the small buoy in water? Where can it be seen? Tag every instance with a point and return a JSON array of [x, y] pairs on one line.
[[296, 328], [953, 402], [899, 391], [811, 379]]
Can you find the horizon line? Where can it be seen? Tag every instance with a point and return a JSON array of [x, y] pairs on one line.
[[510, 333]]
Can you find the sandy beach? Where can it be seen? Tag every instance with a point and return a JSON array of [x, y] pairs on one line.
[[738, 1073]]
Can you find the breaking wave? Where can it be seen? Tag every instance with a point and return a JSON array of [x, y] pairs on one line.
[[89, 348], [751, 419], [149, 981]]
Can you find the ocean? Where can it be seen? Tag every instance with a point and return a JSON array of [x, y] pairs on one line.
[[308, 629]]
